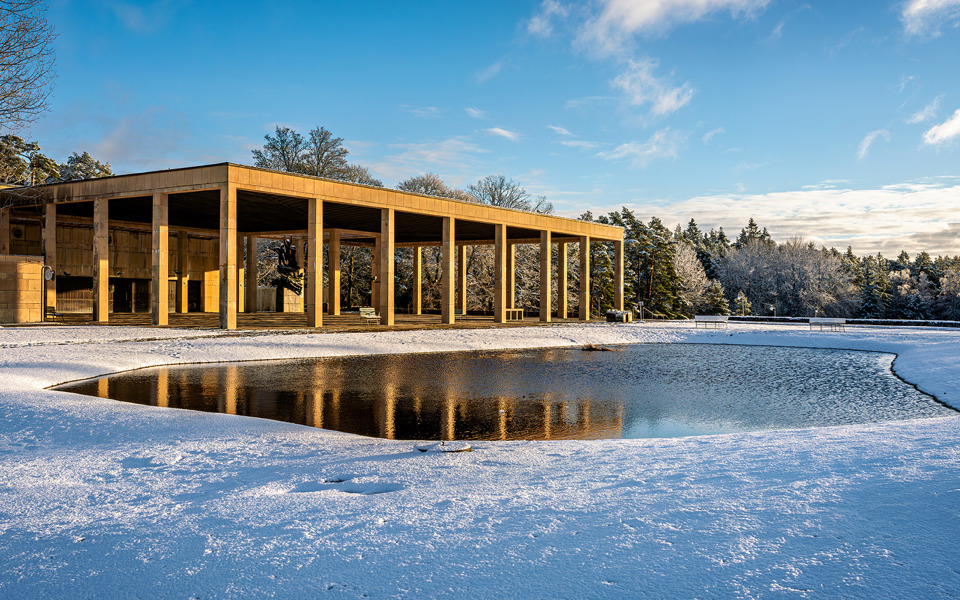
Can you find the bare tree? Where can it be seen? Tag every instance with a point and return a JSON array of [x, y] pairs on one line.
[[283, 151], [497, 190], [26, 62], [324, 155]]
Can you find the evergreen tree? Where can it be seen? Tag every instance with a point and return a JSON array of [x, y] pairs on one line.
[[83, 166], [601, 277], [716, 301], [752, 233], [873, 288]]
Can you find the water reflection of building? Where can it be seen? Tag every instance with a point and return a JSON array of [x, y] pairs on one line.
[[388, 397]]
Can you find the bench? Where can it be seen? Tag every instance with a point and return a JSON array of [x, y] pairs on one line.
[[458, 314], [715, 321], [368, 314], [831, 323], [51, 314], [513, 314]]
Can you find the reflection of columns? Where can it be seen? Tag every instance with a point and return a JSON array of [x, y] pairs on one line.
[[333, 266], [183, 275], [511, 276], [101, 261], [390, 406], [545, 259], [228, 257], [500, 278], [450, 418], [159, 288], [103, 387], [5, 231], [561, 281], [618, 275], [387, 265], [462, 278], [316, 390], [448, 292], [502, 410], [231, 389], [250, 274], [314, 263], [162, 388], [49, 251], [584, 278], [417, 280], [547, 417]]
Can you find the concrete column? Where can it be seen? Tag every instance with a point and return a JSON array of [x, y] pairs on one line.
[[101, 260], [561, 281], [250, 276], [228, 257], [183, 277], [545, 263], [584, 278], [462, 278], [241, 270], [618, 275], [417, 280], [388, 261], [447, 290], [333, 287], [500, 275], [314, 264], [49, 251], [159, 294], [511, 276], [4, 231]]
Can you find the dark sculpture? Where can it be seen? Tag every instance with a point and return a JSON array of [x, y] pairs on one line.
[[289, 275]]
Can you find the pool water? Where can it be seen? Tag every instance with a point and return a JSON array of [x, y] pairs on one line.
[[637, 391]]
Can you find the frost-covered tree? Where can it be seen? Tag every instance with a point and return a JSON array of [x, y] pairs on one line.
[[694, 284], [83, 166], [715, 303]]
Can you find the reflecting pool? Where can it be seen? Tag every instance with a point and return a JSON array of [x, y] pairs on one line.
[[637, 391]]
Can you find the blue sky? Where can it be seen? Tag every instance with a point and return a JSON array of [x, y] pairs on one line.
[[834, 121]]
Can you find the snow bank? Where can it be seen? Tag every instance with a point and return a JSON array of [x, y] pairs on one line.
[[104, 499]]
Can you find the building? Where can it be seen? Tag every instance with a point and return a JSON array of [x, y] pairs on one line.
[[174, 241]]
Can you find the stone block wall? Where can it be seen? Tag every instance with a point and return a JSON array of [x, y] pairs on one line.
[[21, 289]]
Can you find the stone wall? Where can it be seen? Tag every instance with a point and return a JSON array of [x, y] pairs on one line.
[[21, 289]]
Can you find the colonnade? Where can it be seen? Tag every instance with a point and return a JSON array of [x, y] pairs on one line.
[[453, 279]]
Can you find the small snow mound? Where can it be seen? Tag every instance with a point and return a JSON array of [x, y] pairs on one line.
[[445, 447]]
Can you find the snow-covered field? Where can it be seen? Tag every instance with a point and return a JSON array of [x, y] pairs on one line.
[[100, 499]]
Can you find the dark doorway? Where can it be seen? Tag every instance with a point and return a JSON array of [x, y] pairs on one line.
[[194, 296]]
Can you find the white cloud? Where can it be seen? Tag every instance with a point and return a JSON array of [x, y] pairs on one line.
[[641, 87], [610, 31], [588, 102], [914, 216], [944, 132], [925, 17], [488, 73], [423, 112], [926, 113], [559, 130], [868, 141], [541, 24], [476, 113], [713, 132], [665, 143], [580, 144], [504, 133], [144, 17]]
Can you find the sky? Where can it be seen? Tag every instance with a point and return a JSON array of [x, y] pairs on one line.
[[838, 122]]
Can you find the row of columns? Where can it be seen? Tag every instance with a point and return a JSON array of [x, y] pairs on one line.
[[453, 280]]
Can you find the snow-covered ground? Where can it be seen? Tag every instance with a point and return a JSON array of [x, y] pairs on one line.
[[102, 499]]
